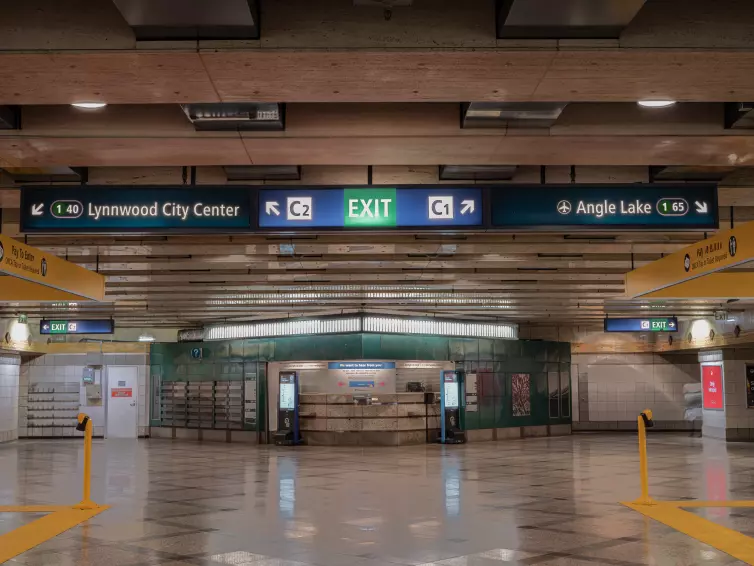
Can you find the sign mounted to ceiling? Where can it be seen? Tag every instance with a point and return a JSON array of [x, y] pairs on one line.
[[664, 324], [663, 207], [371, 208], [129, 208], [76, 326], [118, 209]]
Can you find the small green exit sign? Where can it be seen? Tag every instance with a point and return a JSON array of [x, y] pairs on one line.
[[58, 327], [365, 208]]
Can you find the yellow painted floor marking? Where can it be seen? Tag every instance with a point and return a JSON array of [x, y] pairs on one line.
[[734, 503], [32, 508], [722, 538], [30, 535]]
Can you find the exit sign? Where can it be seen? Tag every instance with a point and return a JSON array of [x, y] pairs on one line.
[[76, 327], [365, 208], [665, 324]]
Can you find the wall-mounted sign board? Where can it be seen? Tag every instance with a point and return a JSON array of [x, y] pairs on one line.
[[204, 208], [664, 324], [665, 207], [76, 327]]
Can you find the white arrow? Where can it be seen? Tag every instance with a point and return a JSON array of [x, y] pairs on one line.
[[46, 327], [37, 209], [467, 206], [701, 208], [272, 208], [670, 324]]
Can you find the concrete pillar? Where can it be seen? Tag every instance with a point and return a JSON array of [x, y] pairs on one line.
[[10, 365]]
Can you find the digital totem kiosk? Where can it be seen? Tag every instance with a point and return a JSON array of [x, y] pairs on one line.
[[288, 433], [452, 397]]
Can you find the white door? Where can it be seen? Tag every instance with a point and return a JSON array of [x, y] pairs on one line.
[[122, 401]]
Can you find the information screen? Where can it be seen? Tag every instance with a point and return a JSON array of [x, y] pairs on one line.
[[451, 395], [287, 391]]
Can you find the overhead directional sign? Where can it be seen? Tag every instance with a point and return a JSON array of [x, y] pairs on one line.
[[370, 207], [665, 324], [76, 326], [605, 206], [123, 208]]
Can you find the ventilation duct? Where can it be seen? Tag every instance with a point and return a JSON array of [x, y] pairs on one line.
[[243, 116], [560, 19], [739, 115], [47, 174], [10, 118], [689, 173], [477, 172], [263, 173], [191, 20], [510, 114]]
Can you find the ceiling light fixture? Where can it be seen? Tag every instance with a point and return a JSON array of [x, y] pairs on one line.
[[146, 338], [89, 105], [659, 103]]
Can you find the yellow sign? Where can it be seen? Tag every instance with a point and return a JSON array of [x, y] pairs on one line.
[[44, 271], [725, 249]]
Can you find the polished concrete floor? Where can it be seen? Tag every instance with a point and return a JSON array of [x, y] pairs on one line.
[[551, 501]]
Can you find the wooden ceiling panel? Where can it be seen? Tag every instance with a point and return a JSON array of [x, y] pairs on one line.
[[376, 76], [86, 151], [116, 77], [39, 151]]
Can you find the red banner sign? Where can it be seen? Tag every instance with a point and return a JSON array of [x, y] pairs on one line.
[[712, 387], [121, 392]]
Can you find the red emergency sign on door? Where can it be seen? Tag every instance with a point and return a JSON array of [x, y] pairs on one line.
[[121, 392], [712, 387]]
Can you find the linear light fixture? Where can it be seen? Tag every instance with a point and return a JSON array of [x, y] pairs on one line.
[[363, 323], [89, 105]]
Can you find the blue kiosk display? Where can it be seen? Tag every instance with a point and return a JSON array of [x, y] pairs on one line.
[[288, 433], [452, 398]]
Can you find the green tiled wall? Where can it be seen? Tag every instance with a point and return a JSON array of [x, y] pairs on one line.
[[493, 361]]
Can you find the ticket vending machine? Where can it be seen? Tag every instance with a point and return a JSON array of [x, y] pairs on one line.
[[452, 396], [288, 433]]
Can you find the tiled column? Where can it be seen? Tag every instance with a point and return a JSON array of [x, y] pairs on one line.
[[735, 422], [9, 372]]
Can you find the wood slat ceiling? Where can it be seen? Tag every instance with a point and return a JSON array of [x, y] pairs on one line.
[[155, 77], [193, 280]]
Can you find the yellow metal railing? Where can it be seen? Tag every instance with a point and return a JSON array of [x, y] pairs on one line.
[[644, 421], [86, 425]]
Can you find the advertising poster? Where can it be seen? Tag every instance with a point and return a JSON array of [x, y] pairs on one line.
[[712, 387], [521, 388]]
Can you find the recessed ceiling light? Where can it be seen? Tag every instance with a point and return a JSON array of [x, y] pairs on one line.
[[660, 103], [89, 105], [146, 338]]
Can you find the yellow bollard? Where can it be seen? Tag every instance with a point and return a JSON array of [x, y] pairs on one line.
[[644, 420], [85, 424]]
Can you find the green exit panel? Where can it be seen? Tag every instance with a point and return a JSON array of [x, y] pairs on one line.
[[365, 208], [58, 327]]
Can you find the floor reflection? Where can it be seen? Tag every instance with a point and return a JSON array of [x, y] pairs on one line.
[[534, 501]]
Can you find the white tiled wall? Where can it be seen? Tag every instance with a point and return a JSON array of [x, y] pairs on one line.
[[63, 368], [736, 413], [9, 376], [620, 386]]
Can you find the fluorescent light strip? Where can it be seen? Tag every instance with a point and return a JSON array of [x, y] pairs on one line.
[[376, 324]]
